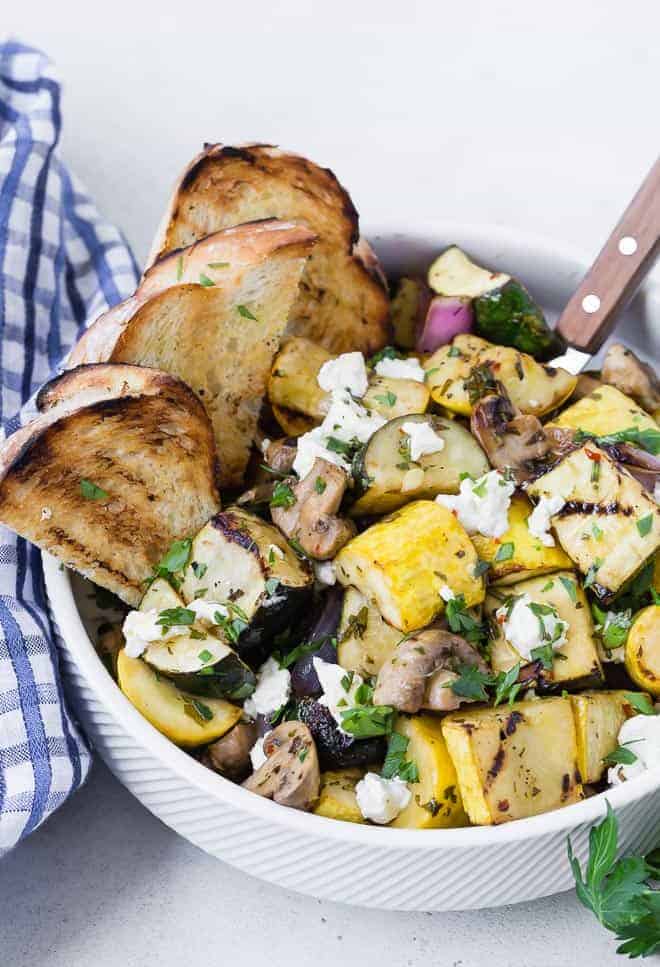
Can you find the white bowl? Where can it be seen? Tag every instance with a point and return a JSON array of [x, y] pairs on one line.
[[387, 868]]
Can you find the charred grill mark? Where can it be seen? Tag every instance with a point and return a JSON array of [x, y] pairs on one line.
[[234, 531], [565, 786], [496, 767], [503, 805], [589, 507], [82, 552], [512, 723]]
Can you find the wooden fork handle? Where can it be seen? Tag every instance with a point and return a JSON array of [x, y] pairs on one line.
[[621, 266]]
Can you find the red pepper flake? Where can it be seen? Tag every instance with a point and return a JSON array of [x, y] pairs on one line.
[[596, 457]]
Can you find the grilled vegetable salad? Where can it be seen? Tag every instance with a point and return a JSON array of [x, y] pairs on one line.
[[435, 601]]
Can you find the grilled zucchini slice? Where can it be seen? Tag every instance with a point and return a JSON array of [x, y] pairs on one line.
[[388, 477], [178, 656], [518, 554], [395, 397], [184, 718], [401, 563], [605, 410], [609, 525], [366, 641], [580, 663], [337, 799], [293, 384], [598, 719], [454, 273], [246, 564], [456, 375], [436, 799], [516, 761], [642, 653]]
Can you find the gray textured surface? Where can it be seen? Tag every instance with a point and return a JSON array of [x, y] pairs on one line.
[[512, 113]]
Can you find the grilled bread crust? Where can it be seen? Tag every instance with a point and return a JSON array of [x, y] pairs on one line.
[[138, 434], [342, 302], [212, 314]]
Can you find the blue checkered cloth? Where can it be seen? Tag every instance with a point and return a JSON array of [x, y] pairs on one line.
[[60, 265]]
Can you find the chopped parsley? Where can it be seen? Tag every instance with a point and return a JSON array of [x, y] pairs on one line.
[[205, 280], [368, 721], [387, 352], [271, 586], [179, 268], [172, 617], [320, 485], [462, 622], [205, 655], [92, 491], [387, 399], [283, 495], [644, 525], [245, 312], [395, 763], [505, 551], [197, 710], [648, 439], [621, 756], [571, 588], [641, 703]]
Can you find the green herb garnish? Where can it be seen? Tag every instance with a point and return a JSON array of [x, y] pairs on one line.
[[505, 551], [283, 496], [91, 491], [617, 891], [245, 312], [368, 721], [645, 524], [387, 399], [395, 763]]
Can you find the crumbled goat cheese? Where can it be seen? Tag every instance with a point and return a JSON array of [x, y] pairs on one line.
[[381, 800], [401, 369], [207, 610], [265, 443], [325, 573], [346, 420], [538, 521], [339, 687], [140, 628], [257, 754], [423, 439], [347, 372], [526, 631], [446, 593], [46, 513], [272, 691], [482, 506], [640, 734]]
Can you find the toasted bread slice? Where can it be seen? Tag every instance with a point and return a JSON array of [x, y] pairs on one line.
[[143, 444], [213, 315], [343, 302]]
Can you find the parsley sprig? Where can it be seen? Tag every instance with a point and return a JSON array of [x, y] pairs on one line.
[[618, 892], [395, 763]]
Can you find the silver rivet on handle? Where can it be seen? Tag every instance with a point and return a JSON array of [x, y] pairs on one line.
[[591, 303]]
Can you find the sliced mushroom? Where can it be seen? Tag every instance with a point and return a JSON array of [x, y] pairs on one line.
[[422, 668], [624, 370], [312, 520], [290, 775], [230, 755], [512, 440], [281, 453]]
